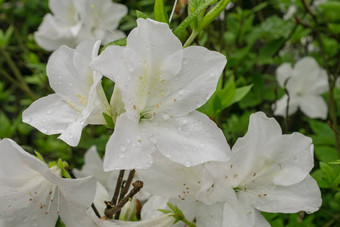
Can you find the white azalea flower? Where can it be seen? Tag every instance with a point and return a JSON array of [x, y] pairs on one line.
[[79, 99], [100, 20], [31, 194], [305, 83], [267, 172], [73, 21], [61, 28], [161, 85]]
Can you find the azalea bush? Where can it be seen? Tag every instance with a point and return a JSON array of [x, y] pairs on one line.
[[169, 113]]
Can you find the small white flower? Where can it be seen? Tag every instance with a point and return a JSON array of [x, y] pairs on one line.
[[304, 83], [100, 20], [61, 28], [79, 99], [73, 21], [31, 194], [161, 85]]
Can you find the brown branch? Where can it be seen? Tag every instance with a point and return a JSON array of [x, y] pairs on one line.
[[126, 188], [112, 209], [118, 186]]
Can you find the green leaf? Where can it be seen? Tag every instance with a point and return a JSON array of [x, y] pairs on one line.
[[160, 12], [141, 15], [187, 21], [240, 93], [213, 13], [119, 42], [330, 10], [266, 52], [192, 6], [109, 121], [326, 153]]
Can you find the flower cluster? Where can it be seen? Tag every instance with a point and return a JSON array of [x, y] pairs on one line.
[[73, 21], [180, 154]]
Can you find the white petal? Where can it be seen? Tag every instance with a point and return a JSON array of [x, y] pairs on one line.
[[190, 140], [209, 216], [51, 35], [304, 196], [314, 106], [264, 151], [127, 149], [163, 170], [280, 106], [283, 72], [238, 212], [150, 208], [50, 115], [65, 79], [248, 149], [195, 83], [154, 43]]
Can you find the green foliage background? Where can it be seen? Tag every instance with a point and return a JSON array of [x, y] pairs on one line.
[[255, 39]]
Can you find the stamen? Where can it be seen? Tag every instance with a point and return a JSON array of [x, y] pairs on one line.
[[173, 11]]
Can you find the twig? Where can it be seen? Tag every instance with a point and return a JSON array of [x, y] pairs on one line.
[[112, 209], [118, 186], [126, 188]]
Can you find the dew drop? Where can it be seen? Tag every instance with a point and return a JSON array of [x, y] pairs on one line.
[[202, 145], [43, 130], [49, 112], [165, 116], [128, 141], [123, 148], [185, 61], [121, 155], [187, 164]]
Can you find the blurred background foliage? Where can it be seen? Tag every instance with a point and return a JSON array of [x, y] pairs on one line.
[[255, 35]]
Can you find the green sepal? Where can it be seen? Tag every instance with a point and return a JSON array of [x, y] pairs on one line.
[[109, 121], [118, 42], [40, 157], [140, 14], [160, 12], [212, 14]]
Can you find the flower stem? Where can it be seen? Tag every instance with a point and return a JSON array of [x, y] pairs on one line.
[[191, 38]]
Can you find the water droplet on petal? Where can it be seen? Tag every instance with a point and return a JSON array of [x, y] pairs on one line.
[[187, 164], [128, 141], [121, 155], [122, 148], [165, 116], [49, 112], [202, 145], [43, 130], [185, 61]]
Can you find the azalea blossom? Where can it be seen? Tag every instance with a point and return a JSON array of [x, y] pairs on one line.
[[100, 20], [267, 172], [304, 83], [161, 85], [32, 194], [73, 21], [79, 99]]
